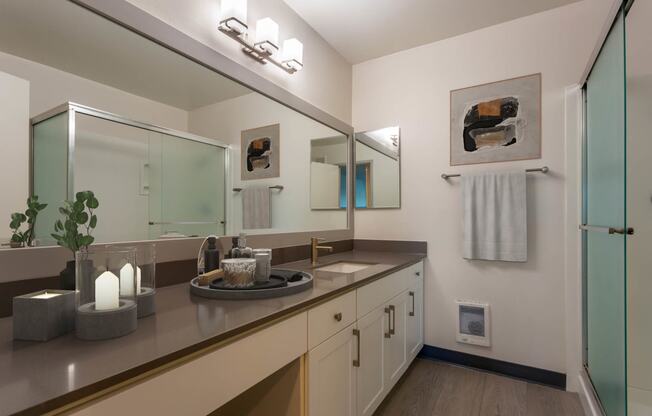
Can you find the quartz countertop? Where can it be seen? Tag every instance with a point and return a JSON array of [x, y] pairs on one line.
[[37, 377]]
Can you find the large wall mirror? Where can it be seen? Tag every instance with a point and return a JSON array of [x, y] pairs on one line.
[[170, 147], [378, 168]]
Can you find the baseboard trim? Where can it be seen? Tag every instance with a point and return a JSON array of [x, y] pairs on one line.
[[587, 396], [533, 374]]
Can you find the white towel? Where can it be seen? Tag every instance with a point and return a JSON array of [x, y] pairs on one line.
[[256, 208], [495, 216]]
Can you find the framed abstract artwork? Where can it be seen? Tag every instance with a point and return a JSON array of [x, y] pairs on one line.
[[496, 122], [260, 153]]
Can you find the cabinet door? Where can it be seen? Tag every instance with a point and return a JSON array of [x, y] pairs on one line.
[[371, 377], [332, 376], [415, 320], [396, 344]]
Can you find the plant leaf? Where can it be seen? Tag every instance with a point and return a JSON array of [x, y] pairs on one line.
[[93, 222], [92, 203], [82, 217]]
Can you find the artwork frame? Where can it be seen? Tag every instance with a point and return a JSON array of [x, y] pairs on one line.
[[260, 152], [498, 121]]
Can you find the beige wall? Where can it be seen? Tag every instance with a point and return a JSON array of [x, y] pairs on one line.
[[14, 139], [411, 89], [291, 211], [325, 80]]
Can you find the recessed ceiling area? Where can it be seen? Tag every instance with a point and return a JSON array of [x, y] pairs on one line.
[[365, 29], [65, 36]]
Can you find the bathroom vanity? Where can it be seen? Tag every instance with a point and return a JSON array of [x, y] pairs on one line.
[[338, 348]]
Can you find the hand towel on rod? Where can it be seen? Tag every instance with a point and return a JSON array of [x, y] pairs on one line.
[[495, 216], [256, 208]]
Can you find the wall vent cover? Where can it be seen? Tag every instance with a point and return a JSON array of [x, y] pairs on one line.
[[474, 325]]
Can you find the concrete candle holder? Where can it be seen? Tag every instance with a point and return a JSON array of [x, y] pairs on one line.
[[92, 324], [43, 315], [146, 302]]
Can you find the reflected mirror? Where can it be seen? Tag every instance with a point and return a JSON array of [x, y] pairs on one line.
[[157, 137], [328, 173], [378, 168]]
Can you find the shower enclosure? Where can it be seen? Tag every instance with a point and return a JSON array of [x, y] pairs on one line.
[[152, 182], [617, 216]]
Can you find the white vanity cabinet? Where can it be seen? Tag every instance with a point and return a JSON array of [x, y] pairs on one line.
[[332, 377], [362, 363]]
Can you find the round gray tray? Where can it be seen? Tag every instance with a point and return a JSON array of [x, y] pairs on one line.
[[231, 294]]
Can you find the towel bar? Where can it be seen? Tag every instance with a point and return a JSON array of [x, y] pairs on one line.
[[543, 169], [279, 187]]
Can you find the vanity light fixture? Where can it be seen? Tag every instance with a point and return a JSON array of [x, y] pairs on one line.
[[233, 23], [233, 16]]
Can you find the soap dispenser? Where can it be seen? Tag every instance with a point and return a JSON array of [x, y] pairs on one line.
[[211, 256]]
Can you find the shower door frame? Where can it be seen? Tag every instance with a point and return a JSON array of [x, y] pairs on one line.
[[74, 108]]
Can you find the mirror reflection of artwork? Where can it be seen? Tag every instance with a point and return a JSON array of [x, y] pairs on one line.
[[260, 153], [378, 168], [496, 122]]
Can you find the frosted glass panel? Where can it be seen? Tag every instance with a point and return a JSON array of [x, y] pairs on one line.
[[605, 207], [639, 208], [110, 159], [188, 183], [50, 171]]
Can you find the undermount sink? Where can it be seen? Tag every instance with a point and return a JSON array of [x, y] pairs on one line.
[[344, 267]]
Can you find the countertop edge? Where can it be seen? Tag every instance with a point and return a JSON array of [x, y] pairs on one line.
[[161, 364]]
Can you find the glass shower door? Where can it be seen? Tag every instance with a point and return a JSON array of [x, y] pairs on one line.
[[606, 229]]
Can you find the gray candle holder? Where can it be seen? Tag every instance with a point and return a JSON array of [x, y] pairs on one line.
[[146, 302], [93, 325], [43, 315]]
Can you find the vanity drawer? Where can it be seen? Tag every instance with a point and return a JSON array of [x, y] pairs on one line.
[[374, 294], [329, 318]]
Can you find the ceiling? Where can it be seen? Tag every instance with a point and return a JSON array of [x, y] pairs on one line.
[[65, 36], [365, 29]]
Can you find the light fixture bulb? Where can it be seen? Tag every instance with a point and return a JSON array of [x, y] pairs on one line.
[[267, 36], [293, 54], [233, 15]]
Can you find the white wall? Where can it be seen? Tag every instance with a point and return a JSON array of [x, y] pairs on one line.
[[14, 140], [50, 87], [411, 89], [325, 80], [291, 211], [639, 208]]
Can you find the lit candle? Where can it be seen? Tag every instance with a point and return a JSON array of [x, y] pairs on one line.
[[107, 289], [127, 280], [137, 280], [46, 295]]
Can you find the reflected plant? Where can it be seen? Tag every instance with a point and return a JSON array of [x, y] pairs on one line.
[[20, 238], [79, 213]]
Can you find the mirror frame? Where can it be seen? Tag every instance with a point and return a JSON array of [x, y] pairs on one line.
[[400, 179], [142, 23]]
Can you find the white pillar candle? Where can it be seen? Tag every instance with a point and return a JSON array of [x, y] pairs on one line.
[[107, 288], [127, 280], [137, 280]]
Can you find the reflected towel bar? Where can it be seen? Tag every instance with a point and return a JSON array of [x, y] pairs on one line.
[[279, 187], [543, 169]]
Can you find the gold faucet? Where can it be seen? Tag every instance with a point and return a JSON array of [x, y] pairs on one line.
[[314, 249]]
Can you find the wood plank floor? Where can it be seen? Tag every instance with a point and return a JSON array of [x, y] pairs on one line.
[[433, 388]]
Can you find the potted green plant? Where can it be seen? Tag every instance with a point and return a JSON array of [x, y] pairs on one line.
[[21, 238], [79, 213]]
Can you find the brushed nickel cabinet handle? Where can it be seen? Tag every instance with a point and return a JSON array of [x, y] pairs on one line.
[[338, 316], [392, 329], [388, 334], [412, 295], [356, 333]]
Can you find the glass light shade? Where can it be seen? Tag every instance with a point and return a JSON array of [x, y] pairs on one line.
[[233, 15], [293, 54], [267, 35], [105, 278]]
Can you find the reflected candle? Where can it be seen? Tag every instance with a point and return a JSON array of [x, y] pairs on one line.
[[127, 280], [107, 288]]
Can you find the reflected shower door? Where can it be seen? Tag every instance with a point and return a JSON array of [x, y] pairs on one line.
[[605, 236], [187, 187]]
